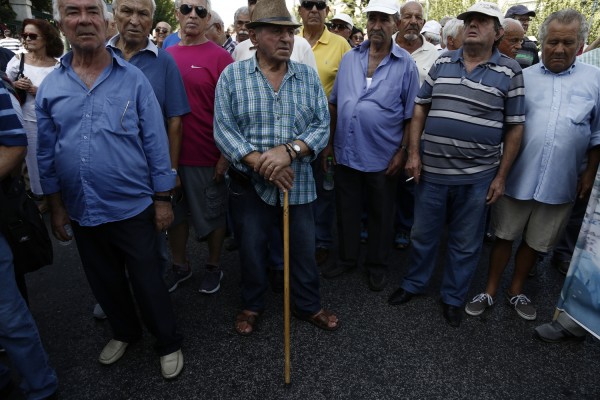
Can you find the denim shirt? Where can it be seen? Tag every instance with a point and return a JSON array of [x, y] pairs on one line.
[[105, 148], [370, 121]]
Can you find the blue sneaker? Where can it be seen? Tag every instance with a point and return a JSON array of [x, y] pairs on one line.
[[176, 275]]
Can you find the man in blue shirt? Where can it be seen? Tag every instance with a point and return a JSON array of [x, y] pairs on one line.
[[134, 22], [371, 104], [18, 333], [105, 167], [563, 127], [271, 122], [465, 133]]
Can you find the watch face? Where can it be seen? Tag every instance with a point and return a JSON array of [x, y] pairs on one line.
[[296, 148]]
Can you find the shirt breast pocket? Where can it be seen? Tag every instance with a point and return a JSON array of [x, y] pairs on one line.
[[303, 117], [580, 109], [120, 116]]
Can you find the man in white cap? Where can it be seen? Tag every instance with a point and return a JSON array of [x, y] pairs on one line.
[[371, 103], [271, 120], [432, 31], [470, 108], [341, 24]]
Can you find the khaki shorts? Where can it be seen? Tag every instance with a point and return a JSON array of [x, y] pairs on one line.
[[540, 224], [205, 199]]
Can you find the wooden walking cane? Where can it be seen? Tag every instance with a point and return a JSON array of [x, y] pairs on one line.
[[286, 284]]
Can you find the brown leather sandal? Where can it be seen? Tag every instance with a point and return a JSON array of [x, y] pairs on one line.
[[250, 318], [320, 319]]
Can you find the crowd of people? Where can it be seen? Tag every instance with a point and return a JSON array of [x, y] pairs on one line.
[[430, 126]]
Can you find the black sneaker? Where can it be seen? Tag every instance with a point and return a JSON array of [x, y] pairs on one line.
[[211, 282], [176, 275]]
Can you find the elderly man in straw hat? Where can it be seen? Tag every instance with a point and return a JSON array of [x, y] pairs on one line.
[[271, 120]]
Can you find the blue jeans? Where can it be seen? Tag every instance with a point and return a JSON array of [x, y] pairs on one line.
[[20, 337], [463, 208], [255, 222]]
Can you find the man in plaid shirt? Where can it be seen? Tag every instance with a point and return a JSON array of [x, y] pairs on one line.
[[271, 120]]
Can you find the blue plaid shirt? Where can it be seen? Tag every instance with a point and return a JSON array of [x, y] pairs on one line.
[[251, 116], [229, 45]]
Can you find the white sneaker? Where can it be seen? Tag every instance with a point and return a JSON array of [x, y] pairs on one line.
[[171, 364], [112, 352]]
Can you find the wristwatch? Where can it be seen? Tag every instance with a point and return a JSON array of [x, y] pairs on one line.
[[168, 198], [296, 148]]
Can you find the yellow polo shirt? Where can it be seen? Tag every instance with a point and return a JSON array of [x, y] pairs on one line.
[[328, 51]]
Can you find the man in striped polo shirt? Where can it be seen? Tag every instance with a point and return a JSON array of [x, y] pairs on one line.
[[469, 106]]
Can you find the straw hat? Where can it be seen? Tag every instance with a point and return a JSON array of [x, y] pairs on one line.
[[271, 12]]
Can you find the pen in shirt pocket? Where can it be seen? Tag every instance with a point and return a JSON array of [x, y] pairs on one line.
[[123, 116]]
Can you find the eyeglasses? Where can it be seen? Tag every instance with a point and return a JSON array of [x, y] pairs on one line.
[[201, 12], [335, 27], [321, 5], [31, 36], [161, 30]]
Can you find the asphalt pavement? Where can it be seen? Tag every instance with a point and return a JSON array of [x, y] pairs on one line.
[[379, 352]]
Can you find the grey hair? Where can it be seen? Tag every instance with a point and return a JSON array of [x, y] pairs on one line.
[[241, 10], [56, 11], [434, 38], [565, 17], [508, 21], [216, 19], [115, 5], [111, 16], [178, 4], [451, 28]]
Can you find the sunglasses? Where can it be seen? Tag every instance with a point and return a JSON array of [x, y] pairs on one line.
[[201, 12], [31, 36], [161, 30], [340, 27], [321, 5]]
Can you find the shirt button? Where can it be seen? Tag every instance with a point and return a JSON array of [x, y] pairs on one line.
[[85, 137], [83, 159], [87, 115]]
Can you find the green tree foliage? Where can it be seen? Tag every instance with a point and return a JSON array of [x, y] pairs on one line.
[[42, 5], [165, 11], [588, 8], [438, 9], [6, 12]]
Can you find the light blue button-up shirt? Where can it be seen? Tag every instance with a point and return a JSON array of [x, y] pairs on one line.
[[563, 122], [105, 148]]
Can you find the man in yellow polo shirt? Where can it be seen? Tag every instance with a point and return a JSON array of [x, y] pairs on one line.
[[328, 49]]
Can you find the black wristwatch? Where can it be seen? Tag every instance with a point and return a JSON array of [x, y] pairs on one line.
[[168, 198]]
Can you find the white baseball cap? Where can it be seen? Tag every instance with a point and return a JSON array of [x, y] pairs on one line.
[[432, 26], [384, 6], [343, 17], [483, 7]]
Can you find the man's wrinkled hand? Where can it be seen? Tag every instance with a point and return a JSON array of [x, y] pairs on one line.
[[413, 167], [284, 179], [495, 191], [163, 215], [272, 162]]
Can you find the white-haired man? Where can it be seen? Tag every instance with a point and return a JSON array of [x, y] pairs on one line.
[[452, 34], [216, 33], [105, 167]]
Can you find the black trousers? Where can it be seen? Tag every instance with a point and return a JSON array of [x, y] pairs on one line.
[[353, 189], [108, 250]]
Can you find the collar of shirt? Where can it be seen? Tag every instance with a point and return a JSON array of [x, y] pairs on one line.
[[566, 71], [325, 36], [150, 46], [291, 70], [494, 58]]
